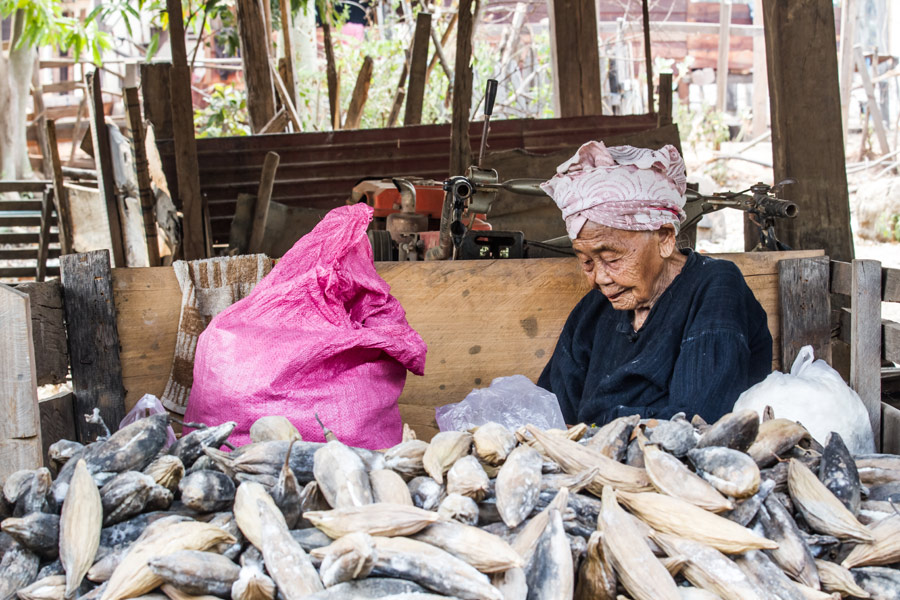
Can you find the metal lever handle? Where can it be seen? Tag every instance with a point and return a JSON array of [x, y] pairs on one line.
[[490, 94]]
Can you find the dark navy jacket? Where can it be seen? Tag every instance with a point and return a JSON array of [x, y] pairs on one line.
[[704, 342]]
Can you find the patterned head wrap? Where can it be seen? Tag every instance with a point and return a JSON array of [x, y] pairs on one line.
[[623, 187]]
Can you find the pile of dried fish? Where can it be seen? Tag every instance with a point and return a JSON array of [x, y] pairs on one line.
[[639, 509]]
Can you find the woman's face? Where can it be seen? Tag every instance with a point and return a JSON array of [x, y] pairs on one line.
[[626, 266]]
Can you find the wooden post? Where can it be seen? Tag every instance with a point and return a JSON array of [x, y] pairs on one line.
[[803, 291], [849, 9], [287, 24], [103, 160], [194, 242], [806, 124], [331, 74], [444, 39], [20, 433], [439, 54], [93, 341], [724, 48], [664, 115], [576, 57], [255, 56], [360, 94], [460, 148], [44, 235], [648, 54], [400, 94], [875, 111], [60, 194], [865, 338], [415, 96], [263, 197], [48, 330], [760, 80], [155, 85], [142, 169]]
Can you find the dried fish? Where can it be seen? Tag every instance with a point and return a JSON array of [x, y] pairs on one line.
[[518, 485], [731, 472], [347, 558], [445, 449], [484, 551], [774, 438], [207, 491], [272, 428], [388, 486], [596, 579], [759, 568], [197, 573], [375, 519], [736, 430], [426, 493], [103, 569], [821, 509], [129, 449], [45, 588], [493, 443], [835, 578], [459, 508], [341, 476], [675, 436], [551, 574], [287, 563], [38, 532], [167, 471], [79, 526], [60, 452], [838, 472], [511, 583], [246, 510], [612, 439], [792, 553], [670, 476], [125, 496], [406, 458], [677, 517], [365, 589], [252, 584], [191, 446], [433, 568], [467, 478], [286, 492], [881, 583], [18, 568]]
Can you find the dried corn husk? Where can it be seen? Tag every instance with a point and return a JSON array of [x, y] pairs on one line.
[[408, 433], [347, 558], [445, 449], [670, 476], [406, 458], [375, 519], [133, 576], [285, 559], [835, 578], [342, 476], [809, 593], [677, 517], [273, 427], [885, 550], [252, 584], [575, 458], [246, 512], [388, 486], [518, 484], [79, 527], [821, 509], [459, 508], [172, 592], [167, 471], [48, 588], [493, 443], [485, 551], [467, 478], [638, 570], [596, 578]]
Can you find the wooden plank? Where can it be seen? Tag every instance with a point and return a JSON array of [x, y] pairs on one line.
[[22, 186], [890, 429], [44, 243], [500, 295], [415, 94], [239, 237], [15, 205], [61, 87], [155, 86], [805, 307], [57, 415], [648, 53], [263, 197], [20, 434], [287, 25], [30, 253], [890, 342], [255, 57], [760, 110], [400, 93], [93, 341], [360, 94], [48, 331], [23, 238], [806, 124], [142, 169], [60, 193], [575, 57], [873, 108], [849, 10], [460, 146], [104, 165], [664, 114], [724, 46], [331, 74], [865, 337], [194, 240], [7, 220], [24, 272], [890, 285]]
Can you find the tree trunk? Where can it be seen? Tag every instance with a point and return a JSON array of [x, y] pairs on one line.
[[15, 79], [303, 39]]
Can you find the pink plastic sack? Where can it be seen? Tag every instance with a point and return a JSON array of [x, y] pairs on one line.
[[320, 334]]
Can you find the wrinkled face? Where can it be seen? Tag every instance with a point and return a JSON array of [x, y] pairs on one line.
[[626, 266]]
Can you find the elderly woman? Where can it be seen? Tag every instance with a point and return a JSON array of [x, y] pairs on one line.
[[663, 330]]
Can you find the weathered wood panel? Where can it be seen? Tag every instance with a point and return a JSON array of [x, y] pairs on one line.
[[805, 319], [48, 331], [890, 432], [480, 319], [20, 435], [57, 421], [575, 58], [93, 341], [865, 332]]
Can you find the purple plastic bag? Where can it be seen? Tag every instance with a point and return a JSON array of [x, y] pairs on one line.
[[320, 334], [146, 406]]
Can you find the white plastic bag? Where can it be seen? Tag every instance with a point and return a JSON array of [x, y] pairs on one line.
[[512, 401], [146, 406], [816, 396]]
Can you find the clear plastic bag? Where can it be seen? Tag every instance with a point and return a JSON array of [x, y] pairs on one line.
[[814, 395], [512, 401], [146, 406]]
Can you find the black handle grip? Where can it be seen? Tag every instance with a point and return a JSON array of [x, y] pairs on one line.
[[489, 96]]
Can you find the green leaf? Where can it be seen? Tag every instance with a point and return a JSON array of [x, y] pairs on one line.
[[152, 47]]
